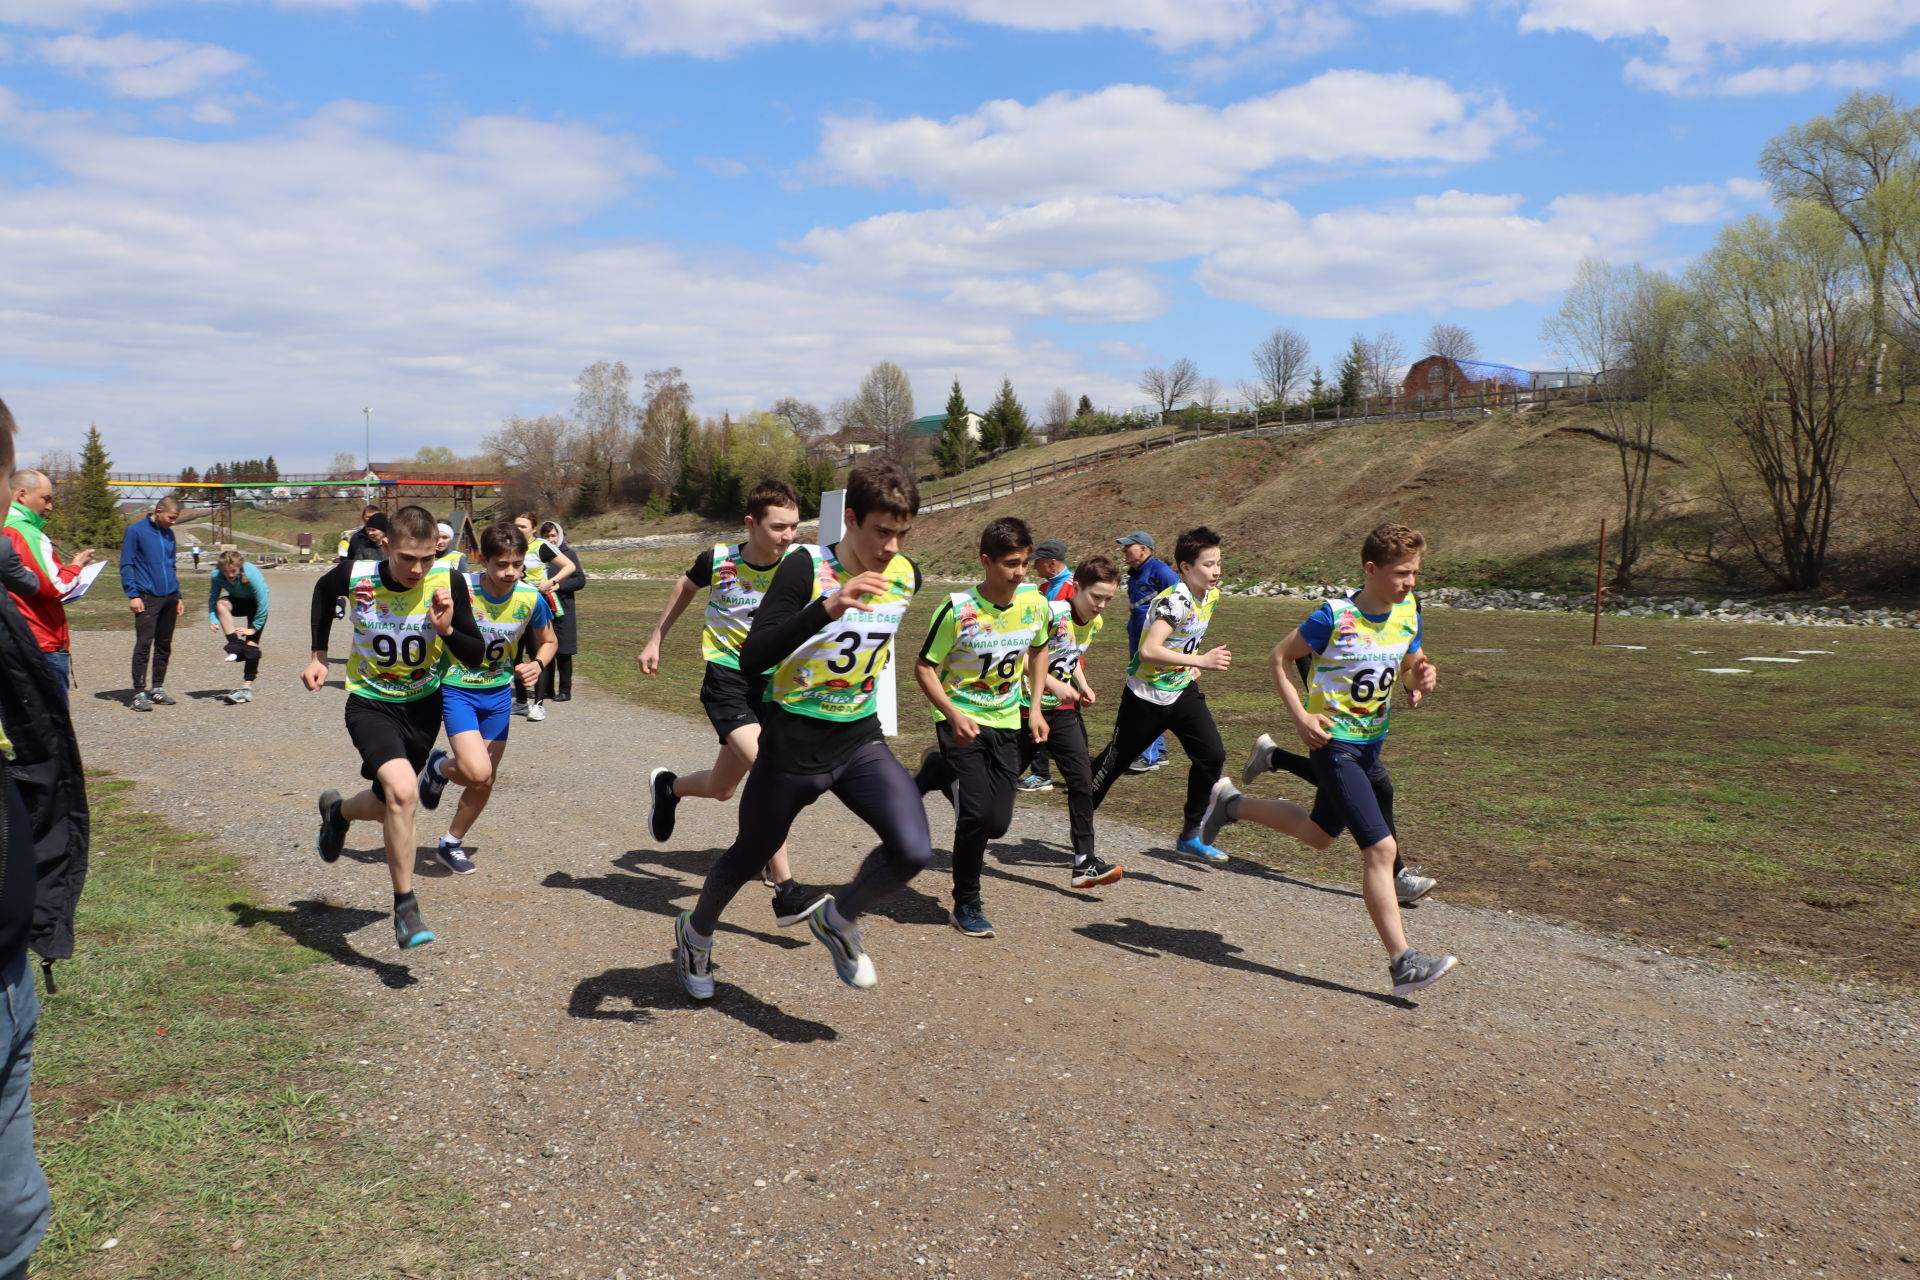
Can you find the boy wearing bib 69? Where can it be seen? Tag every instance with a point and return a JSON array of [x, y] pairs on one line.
[[986, 652], [822, 633], [477, 701], [407, 615], [1359, 648]]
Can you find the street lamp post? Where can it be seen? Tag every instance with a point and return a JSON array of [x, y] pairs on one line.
[[369, 457]]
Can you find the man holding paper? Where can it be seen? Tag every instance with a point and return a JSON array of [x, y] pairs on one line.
[[45, 610]]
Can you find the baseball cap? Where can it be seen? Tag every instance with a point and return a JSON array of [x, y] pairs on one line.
[[1051, 549], [1140, 536]]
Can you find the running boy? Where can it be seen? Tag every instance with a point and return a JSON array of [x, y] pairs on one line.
[[822, 633], [986, 650], [406, 615], [1077, 614], [1162, 695], [477, 700], [1360, 648], [735, 579]]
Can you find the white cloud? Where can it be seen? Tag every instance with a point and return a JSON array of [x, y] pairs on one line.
[[1696, 78], [133, 66], [1135, 139], [1112, 296]]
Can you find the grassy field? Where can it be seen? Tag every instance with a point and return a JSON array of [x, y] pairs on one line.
[[190, 1084], [1765, 817]]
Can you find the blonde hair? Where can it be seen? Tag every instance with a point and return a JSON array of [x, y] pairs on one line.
[[231, 560]]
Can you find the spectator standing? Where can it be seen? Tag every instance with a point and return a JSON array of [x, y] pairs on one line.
[[149, 577], [557, 681], [1147, 577], [43, 606], [238, 590]]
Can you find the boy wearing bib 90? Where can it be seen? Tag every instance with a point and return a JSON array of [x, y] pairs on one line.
[[1360, 648], [407, 614], [822, 633], [985, 653], [477, 700]]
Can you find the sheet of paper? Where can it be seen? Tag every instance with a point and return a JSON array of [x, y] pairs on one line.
[[84, 581]]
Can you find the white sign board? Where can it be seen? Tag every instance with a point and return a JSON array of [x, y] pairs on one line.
[[833, 524]]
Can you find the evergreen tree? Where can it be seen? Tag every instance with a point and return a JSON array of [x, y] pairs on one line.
[[955, 449], [93, 508], [589, 500], [273, 468], [1086, 408], [1353, 371], [1008, 419], [687, 485]]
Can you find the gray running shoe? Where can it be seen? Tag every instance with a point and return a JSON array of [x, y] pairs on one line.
[[239, 696], [1092, 873], [1223, 807], [1033, 782], [1410, 886], [409, 927], [1259, 760], [694, 964], [161, 698], [142, 702], [848, 949], [1411, 971]]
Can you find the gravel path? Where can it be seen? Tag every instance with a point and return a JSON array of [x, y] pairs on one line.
[[1194, 1072]]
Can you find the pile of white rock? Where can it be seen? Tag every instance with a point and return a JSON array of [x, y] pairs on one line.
[[1795, 613]]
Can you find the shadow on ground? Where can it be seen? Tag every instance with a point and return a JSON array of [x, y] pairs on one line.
[[324, 928], [634, 995], [1153, 940]]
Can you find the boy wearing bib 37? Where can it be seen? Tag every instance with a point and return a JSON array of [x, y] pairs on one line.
[[407, 614], [1162, 695], [1360, 648], [823, 632], [985, 652], [477, 701], [735, 579]]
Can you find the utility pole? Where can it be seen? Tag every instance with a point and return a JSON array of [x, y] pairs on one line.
[[369, 456]]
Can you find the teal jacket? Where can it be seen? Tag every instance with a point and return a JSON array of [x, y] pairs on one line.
[[250, 591]]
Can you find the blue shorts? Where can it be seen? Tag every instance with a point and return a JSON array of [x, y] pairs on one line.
[[488, 710], [1344, 773]]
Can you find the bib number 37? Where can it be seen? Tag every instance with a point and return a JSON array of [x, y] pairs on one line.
[[849, 655]]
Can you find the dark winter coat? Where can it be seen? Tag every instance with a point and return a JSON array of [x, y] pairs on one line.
[[566, 628]]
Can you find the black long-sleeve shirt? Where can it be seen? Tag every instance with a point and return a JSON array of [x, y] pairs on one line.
[[790, 614], [464, 642]]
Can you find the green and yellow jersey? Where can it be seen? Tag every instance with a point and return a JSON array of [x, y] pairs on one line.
[[397, 655], [502, 623], [735, 589], [1175, 605], [1067, 643], [832, 676], [1356, 661], [981, 650]]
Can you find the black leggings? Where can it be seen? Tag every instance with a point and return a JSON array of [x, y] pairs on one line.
[[559, 675], [981, 773], [248, 651], [1301, 767], [871, 783], [1141, 722], [153, 633], [1067, 740]]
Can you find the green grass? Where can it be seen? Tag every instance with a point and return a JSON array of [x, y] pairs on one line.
[[1624, 791], [190, 1079]]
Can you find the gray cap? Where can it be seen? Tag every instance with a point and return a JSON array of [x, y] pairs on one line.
[[1051, 549], [1140, 536]]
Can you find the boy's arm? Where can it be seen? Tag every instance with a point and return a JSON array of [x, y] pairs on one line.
[[927, 676], [331, 586], [787, 618], [1424, 676], [1311, 728], [1036, 676], [1153, 648], [677, 601], [549, 644], [462, 636]]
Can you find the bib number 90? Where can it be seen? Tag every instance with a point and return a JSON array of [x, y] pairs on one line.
[[407, 651]]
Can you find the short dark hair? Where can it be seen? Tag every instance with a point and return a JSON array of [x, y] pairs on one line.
[[1392, 542], [1005, 536], [500, 538], [1192, 543], [7, 429], [531, 517], [1096, 569], [414, 523], [368, 510], [881, 484], [771, 492]]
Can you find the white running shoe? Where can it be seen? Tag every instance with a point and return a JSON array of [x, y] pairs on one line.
[[1410, 886], [850, 959], [1259, 760], [536, 711]]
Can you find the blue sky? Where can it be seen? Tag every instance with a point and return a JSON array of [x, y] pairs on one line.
[[227, 227]]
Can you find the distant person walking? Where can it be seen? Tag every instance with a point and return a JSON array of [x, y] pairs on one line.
[[194, 551], [43, 607], [557, 681], [1147, 577], [152, 584], [237, 608]]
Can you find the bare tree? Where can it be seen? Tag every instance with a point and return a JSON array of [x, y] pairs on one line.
[[1207, 393], [539, 450], [1059, 410], [1454, 341], [604, 422], [1386, 361], [1280, 361], [1169, 386], [343, 464], [667, 404], [805, 420], [884, 406]]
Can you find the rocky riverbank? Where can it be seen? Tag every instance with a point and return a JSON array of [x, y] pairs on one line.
[[1780, 613]]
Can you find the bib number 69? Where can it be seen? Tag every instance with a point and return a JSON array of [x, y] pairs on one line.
[[1371, 683]]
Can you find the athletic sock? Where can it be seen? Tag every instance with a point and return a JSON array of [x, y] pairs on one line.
[[1233, 807], [441, 769], [403, 900], [696, 938], [834, 917]]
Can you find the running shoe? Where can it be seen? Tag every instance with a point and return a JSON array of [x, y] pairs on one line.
[[232, 657], [1033, 782], [1143, 765], [239, 696], [1223, 807], [927, 759], [660, 816], [454, 858], [1194, 847], [409, 928], [850, 959], [536, 711], [433, 783], [969, 919], [161, 698], [519, 708], [1259, 760], [694, 964], [333, 828], [791, 902], [1410, 886], [1411, 971], [141, 702], [1093, 872]]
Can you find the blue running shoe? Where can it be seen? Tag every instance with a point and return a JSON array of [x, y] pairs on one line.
[[454, 858], [409, 929], [333, 828], [1194, 847], [432, 782], [850, 959], [969, 919]]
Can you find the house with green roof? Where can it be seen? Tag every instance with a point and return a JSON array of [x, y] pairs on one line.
[[933, 424]]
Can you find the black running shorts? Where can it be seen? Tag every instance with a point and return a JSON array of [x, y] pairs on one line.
[[732, 699], [383, 731]]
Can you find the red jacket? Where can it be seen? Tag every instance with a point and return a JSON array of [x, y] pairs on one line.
[[45, 612]]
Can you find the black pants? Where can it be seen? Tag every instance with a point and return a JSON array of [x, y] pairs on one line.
[[1140, 723], [982, 774], [1301, 767], [153, 633], [871, 783], [248, 651], [1067, 739], [559, 675]]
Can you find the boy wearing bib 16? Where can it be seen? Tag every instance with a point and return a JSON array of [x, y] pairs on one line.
[[986, 650], [407, 614], [1360, 648], [823, 632], [477, 701]]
